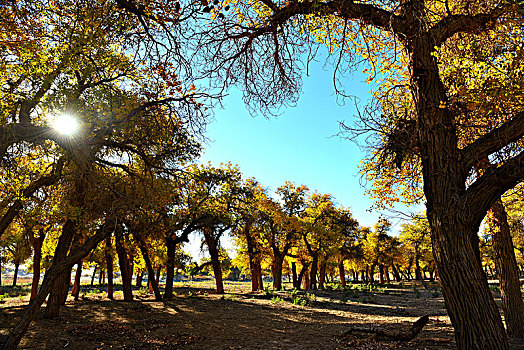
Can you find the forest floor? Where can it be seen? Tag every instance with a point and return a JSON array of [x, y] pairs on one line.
[[199, 319]]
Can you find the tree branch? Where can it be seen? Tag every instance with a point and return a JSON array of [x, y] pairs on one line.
[[451, 25], [494, 140], [489, 187]]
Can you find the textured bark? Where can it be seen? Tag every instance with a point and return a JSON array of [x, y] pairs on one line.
[[61, 284], [125, 267], [386, 274], [381, 274], [303, 272], [506, 265]]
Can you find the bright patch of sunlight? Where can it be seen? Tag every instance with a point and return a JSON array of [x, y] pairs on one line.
[[64, 124]]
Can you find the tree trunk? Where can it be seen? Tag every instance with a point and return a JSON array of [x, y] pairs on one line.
[[322, 274], [386, 274], [158, 271], [54, 272], [258, 264], [100, 276], [313, 272], [15, 274], [212, 245], [302, 273], [75, 292], [294, 273], [109, 266], [123, 262], [93, 275], [371, 273], [170, 267], [381, 273], [506, 265], [307, 282], [37, 243], [276, 270], [254, 274], [342, 272], [61, 284], [139, 277], [470, 305], [149, 266]]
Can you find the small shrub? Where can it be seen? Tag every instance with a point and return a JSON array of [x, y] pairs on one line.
[[276, 300]]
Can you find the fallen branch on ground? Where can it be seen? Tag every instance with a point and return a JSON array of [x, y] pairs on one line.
[[415, 329]]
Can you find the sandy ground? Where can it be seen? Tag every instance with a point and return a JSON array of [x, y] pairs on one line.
[[199, 319]]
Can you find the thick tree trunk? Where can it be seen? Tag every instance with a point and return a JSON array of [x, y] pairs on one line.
[[15, 273], [212, 245], [342, 272], [381, 273], [61, 284], [125, 268], [307, 281], [386, 274], [109, 267], [75, 292], [506, 265], [170, 267], [322, 274], [276, 270]]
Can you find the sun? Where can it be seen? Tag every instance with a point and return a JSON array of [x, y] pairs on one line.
[[64, 124]]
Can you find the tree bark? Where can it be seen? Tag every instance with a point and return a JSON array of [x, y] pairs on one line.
[[381, 273], [149, 266], [61, 285], [294, 274], [37, 243], [313, 272], [276, 270], [75, 292], [506, 265], [322, 274], [212, 245], [95, 268], [170, 267], [15, 274], [123, 262], [342, 272], [470, 305], [109, 267]]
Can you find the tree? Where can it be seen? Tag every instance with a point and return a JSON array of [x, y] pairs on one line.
[[273, 32]]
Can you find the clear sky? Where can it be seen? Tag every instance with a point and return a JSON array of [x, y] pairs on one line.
[[298, 146]]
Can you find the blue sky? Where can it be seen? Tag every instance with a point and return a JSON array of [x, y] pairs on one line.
[[299, 146]]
